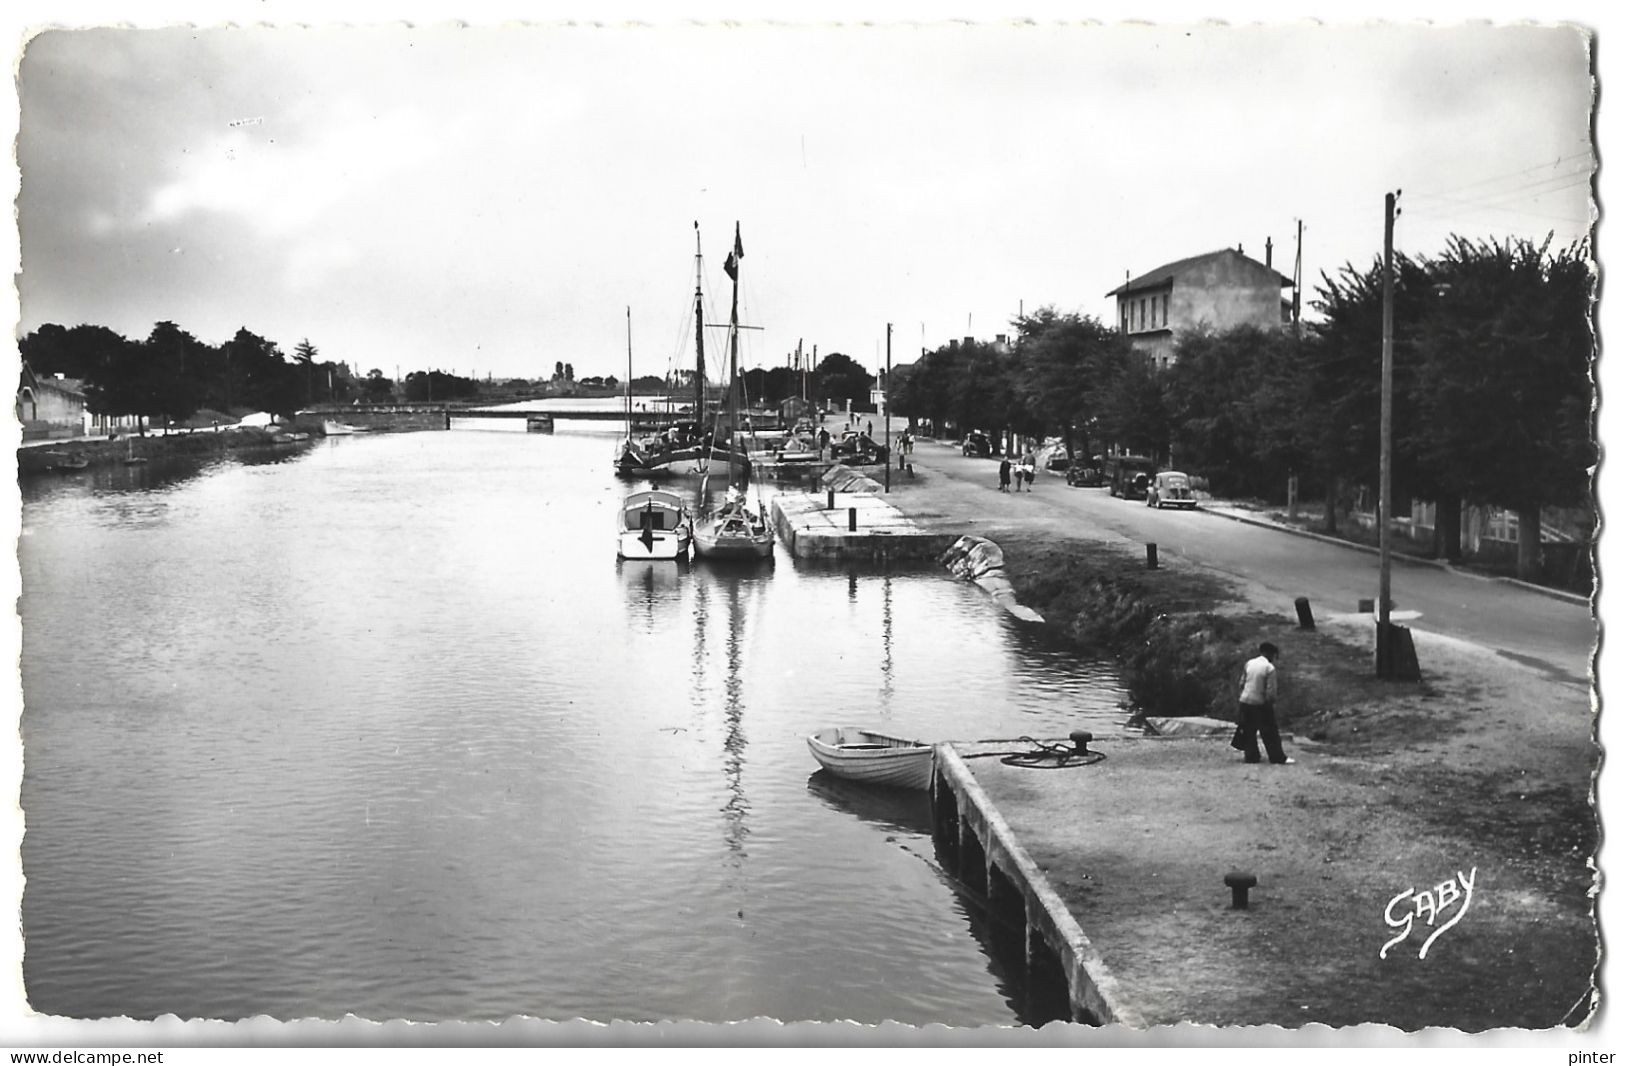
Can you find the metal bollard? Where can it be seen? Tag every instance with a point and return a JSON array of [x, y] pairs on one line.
[[832, 499], [1150, 556], [1306, 617], [852, 519], [1080, 741], [1239, 883]]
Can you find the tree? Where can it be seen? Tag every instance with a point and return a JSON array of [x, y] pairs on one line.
[[377, 388], [262, 378], [1235, 408], [1503, 384], [1064, 361], [1134, 410], [1343, 368], [842, 378], [304, 354], [83, 352], [920, 391], [166, 381]]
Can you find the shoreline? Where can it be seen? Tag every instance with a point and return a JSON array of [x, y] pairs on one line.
[[40, 457], [1485, 764]]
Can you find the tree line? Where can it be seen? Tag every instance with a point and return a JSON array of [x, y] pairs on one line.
[[170, 376], [837, 380], [1493, 350]]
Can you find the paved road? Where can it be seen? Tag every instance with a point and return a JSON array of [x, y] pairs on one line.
[[1525, 625]]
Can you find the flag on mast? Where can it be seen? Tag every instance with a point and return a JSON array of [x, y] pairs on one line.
[[731, 265]]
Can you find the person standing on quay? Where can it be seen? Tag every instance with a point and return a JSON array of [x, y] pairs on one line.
[[1004, 474], [1257, 708]]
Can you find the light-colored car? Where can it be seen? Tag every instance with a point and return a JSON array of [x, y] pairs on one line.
[[1170, 488]]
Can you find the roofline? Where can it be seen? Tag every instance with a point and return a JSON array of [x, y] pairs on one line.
[[1162, 276]]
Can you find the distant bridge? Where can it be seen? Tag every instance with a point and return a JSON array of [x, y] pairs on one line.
[[341, 412], [384, 411]]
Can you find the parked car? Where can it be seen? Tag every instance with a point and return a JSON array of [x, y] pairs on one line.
[[1129, 475], [978, 445], [857, 449], [1170, 488], [1085, 474]]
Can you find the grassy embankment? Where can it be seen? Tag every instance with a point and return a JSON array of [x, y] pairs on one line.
[[1483, 757]]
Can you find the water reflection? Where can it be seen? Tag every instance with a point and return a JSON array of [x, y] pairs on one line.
[[885, 643], [653, 588], [139, 479], [736, 808], [900, 810]]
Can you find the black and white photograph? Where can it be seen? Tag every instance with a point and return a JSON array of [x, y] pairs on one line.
[[548, 528]]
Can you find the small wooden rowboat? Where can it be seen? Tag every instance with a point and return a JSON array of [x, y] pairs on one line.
[[872, 758]]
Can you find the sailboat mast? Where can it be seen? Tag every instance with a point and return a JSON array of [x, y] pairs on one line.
[[733, 359], [699, 334], [628, 370]]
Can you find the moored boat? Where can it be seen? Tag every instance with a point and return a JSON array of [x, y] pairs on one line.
[[738, 530], [859, 754], [682, 447], [735, 532], [654, 524]]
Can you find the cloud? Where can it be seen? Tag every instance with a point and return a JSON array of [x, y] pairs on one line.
[[281, 185]]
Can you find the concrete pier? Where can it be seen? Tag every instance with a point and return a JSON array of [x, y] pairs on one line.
[[860, 525], [978, 848]]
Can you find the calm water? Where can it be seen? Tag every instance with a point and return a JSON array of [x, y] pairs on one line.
[[384, 728]]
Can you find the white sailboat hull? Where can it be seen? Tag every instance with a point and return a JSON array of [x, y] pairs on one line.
[[654, 524], [656, 546]]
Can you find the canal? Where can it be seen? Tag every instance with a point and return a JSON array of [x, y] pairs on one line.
[[383, 728]]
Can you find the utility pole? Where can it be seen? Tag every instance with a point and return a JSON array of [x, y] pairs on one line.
[[885, 406], [1297, 280], [1385, 498]]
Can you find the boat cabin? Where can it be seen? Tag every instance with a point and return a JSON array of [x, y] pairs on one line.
[[655, 510]]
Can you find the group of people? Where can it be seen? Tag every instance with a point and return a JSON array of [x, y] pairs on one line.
[[1023, 472]]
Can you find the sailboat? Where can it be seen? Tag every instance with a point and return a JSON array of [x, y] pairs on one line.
[[653, 524], [684, 446], [738, 529]]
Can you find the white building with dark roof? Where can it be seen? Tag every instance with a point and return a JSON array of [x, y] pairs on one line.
[[1218, 291]]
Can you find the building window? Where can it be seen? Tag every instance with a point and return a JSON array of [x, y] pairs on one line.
[[1165, 310], [1501, 525], [1142, 312]]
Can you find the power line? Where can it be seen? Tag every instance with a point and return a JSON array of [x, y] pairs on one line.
[[1533, 190], [1587, 155]]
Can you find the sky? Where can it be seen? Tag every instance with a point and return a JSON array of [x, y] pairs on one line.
[[492, 199]]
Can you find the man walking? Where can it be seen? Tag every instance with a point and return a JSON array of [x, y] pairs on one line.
[[1256, 717]]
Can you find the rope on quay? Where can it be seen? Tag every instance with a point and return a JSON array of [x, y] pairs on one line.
[[1044, 755]]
